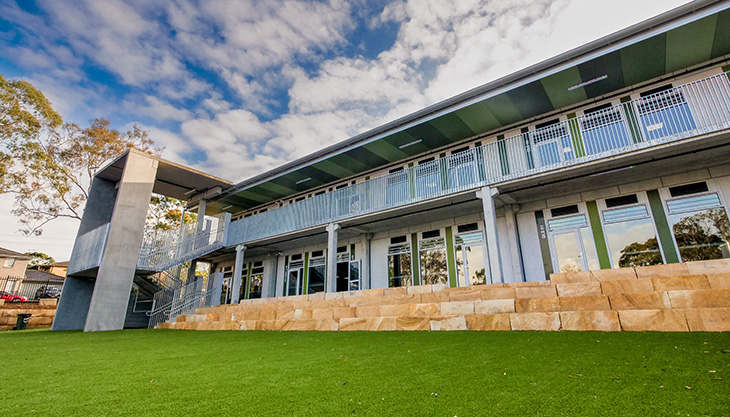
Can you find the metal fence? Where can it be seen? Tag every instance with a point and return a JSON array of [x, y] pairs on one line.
[[692, 109], [17, 289]]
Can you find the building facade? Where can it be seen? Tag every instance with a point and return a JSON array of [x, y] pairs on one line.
[[615, 154]]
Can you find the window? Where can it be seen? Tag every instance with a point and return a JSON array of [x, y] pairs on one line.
[[399, 265], [432, 255], [317, 272], [700, 227], [257, 280], [9, 263], [630, 234]]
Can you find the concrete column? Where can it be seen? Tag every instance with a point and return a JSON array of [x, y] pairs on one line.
[[73, 306], [201, 215], [514, 243], [216, 288], [332, 229], [366, 278], [487, 195], [113, 286], [236, 285], [191, 271]]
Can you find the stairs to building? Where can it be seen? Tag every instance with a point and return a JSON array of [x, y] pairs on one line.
[[692, 296]]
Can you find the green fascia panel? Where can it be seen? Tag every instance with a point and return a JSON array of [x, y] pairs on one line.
[[415, 261], [609, 65], [366, 157], [556, 87], [430, 136], [333, 169], [575, 135], [662, 227], [450, 257], [721, 44], [385, 150], [503, 109], [452, 127], [547, 260], [345, 160], [399, 139], [478, 118], [305, 285], [690, 44], [644, 60], [531, 99], [257, 197], [599, 238], [247, 282], [318, 176], [273, 190]]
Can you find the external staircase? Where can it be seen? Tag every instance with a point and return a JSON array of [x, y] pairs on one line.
[[692, 296]]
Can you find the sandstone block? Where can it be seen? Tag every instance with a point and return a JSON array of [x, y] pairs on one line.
[[465, 295], [495, 306], [316, 296], [413, 323], [351, 294], [250, 325], [352, 323], [333, 296], [435, 297], [715, 266], [685, 282], [403, 299], [668, 270], [424, 309], [381, 323], [455, 308], [367, 311], [419, 289], [394, 310], [639, 301], [292, 298], [303, 325], [395, 291], [487, 322], [322, 313], [700, 298], [268, 325], [342, 312], [535, 305], [708, 319], [536, 292], [375, 292], [181, 319], [449, 323], [614, 274], [327, 325], [625, 286], [535, 321], [571, 277], [584, 303], [47, 301], [498, 293], [338, 302], [300, 314], [604, 321], [267, 315], [285, 314], [41, 321], [438, 287], [579, 288], [718, 280], [653, 320], [252, 315]]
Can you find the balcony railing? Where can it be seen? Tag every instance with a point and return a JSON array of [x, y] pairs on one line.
[[88, 250], [692, 109], [163, 249]]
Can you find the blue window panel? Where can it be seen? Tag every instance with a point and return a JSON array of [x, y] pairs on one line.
[[605, 138], [667, 122]]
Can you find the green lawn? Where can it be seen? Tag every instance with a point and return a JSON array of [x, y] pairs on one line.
[[178, 373]]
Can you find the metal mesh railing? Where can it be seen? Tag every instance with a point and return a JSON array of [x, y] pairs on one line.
[[699, 107]]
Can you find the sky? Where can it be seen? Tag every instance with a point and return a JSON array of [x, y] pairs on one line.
[[235, 88]]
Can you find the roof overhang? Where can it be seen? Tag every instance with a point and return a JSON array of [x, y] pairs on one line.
[[172, 180], [690, 35]]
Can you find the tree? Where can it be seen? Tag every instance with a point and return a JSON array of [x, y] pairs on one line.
[[702, 236], [51, 173], [39, 260], [641, 254], [166, 213]]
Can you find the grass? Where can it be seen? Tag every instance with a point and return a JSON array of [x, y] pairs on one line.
[[178, 373]]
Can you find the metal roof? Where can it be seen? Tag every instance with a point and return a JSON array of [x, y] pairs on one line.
[[689, 35]]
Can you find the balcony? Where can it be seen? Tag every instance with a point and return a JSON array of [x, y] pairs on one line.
[[689, 110]]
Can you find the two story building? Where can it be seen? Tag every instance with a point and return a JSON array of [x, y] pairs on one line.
[[615, 154]]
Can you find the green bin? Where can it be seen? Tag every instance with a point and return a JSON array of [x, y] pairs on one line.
[[22, 323]]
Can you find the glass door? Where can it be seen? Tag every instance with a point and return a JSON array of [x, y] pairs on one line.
[[471, 260], [354, 275], [569, 253], [294, 281]]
